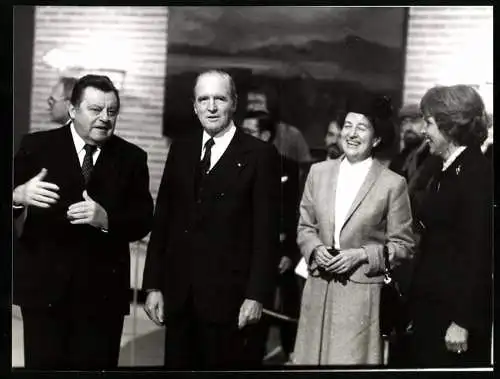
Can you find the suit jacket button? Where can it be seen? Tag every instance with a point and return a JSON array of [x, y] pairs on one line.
[[186, 231]]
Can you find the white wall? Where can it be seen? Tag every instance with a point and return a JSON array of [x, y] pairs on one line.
[[449, 45]]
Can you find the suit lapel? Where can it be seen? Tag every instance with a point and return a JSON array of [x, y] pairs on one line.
[[67, 158], [332, 193], [370, 179], [105, 166], [228, 167], [190, 160]]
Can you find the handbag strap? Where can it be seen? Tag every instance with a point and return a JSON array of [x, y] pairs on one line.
[[387, 264]]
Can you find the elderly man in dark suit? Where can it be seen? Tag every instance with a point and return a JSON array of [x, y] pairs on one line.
[[86, 195], [212, 255]]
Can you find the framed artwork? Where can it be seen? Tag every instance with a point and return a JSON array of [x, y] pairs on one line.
[[311, 58]]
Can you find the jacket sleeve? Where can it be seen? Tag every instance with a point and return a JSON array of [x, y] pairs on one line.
[[399, 237], [289, 210], [471, 269], [132, 220], [25, 166], [154, 266], [266, 219], [308, 228]]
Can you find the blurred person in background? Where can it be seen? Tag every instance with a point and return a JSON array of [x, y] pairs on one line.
[[59, 100], [452, 284], [414, 147], [263, 126], [85, 193], [352, 209], [332, 139], [287, 139]]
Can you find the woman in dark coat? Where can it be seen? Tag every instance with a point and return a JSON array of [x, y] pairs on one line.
[[451, 291]]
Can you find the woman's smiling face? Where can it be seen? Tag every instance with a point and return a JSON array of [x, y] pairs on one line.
[[358, 137]]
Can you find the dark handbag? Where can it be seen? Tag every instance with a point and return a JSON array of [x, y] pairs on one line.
[[392, 303]]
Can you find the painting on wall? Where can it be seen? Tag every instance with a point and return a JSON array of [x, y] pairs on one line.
[[311, 57]]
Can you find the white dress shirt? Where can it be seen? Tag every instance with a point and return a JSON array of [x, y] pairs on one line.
[[79, 144], [452, 157], [222, 140], [351, 177]]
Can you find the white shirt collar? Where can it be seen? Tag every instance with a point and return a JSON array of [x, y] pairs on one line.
[[223, 137], [222, 141], [364, 165], [452, 157], [80, 143], [77, 140]]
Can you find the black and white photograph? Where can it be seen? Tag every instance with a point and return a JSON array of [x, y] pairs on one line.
[[220, 188]]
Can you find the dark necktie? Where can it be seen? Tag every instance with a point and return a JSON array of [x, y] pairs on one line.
[[88, 163], [205, 162]]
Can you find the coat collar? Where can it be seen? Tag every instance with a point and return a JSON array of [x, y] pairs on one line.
[[373, 174], [370, 179]]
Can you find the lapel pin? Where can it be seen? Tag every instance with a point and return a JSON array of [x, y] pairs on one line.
[[457, 170]]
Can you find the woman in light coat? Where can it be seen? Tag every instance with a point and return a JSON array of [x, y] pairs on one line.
[[351, 208]]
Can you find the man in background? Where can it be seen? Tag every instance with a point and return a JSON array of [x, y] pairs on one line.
[[85, 194], [332, 140], [59, 100], [414, 148], [211, 258], [288, 140]]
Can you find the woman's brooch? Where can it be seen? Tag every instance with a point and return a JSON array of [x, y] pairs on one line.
[[457, 170]]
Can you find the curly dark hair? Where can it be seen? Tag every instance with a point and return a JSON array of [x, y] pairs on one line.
[[459, 113]]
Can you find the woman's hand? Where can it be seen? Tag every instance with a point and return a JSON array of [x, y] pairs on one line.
[[346, 260], [322, 257], [456, 338]]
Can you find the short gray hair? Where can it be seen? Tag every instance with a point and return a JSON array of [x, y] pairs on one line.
[[223, 74]]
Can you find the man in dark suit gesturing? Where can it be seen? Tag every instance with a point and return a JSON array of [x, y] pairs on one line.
[[212, 254], [86, 195]]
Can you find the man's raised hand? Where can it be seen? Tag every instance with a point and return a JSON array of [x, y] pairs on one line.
[[35, 192]]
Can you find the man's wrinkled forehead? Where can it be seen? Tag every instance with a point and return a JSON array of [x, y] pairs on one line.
[[95, 96], [212, 79]]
